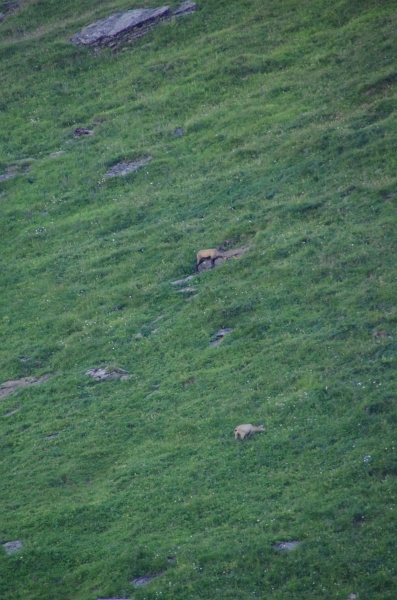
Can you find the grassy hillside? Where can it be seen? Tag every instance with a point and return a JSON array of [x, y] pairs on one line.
[[289, 147]]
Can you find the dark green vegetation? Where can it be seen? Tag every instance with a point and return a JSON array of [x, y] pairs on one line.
[[290, 146]]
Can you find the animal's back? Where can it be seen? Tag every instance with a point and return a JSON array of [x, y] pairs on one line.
[[246, 429]]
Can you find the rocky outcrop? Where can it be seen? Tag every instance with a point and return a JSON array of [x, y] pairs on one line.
[[128, 26]]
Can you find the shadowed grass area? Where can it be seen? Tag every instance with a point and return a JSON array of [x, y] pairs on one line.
[[288, 147]]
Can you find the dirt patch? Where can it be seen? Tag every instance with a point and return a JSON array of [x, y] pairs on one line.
[[12, 547], [220, 335], [8, 387], [103, 374], [125, 168], [128, 26], [286, 546]]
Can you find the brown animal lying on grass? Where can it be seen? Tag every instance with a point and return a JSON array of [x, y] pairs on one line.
[[246, 429], [211, 254]]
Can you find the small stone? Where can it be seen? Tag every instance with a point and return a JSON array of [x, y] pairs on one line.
[[138, 336], [8, 387], [125, 168], [286, 546], [12, 547], [179, 131], [185, 8], [10, 6], [56, 154], [140, 581], [102, 374], [6, 176], [125, 377]]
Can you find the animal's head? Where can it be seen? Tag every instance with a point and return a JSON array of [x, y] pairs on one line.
[[261, 428]]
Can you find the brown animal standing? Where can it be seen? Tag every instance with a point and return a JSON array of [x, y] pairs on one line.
[[246, 430], [211, 254]]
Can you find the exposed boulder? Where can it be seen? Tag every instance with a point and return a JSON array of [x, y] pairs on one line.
[[127, 26]]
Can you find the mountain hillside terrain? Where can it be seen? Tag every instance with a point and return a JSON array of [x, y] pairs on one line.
[[264, 129]]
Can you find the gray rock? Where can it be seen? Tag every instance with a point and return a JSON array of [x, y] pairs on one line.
[[8, 387], [286, 546], [12, 547], [187, 289], [11, 6], [179, 131], [7, 175], [55, 154], [140, 581], [125, 168], [128, 26], [102, 374], [186, 8], [117, 25]]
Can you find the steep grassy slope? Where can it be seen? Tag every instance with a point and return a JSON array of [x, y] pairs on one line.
[[289, 111]]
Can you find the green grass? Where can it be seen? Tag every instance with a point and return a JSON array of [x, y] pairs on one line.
[[289, 111]]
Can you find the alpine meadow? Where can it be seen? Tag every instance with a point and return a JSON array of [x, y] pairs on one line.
[[265, 131]]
